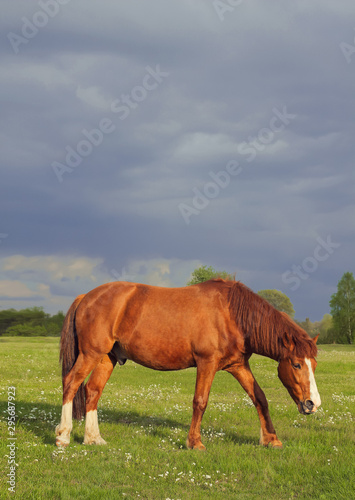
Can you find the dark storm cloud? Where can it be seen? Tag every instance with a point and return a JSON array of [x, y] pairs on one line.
[[219, 90]]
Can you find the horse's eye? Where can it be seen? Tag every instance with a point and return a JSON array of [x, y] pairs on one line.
[[297, 366]]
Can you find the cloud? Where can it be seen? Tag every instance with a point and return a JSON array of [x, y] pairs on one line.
[[16, 290], [68, 269], [160, 272], [49, 281], [92, 97]]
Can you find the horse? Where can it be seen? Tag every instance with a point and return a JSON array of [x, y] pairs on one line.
[[215, 325]]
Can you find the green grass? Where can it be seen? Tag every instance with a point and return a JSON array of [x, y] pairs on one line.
[[145, 416]]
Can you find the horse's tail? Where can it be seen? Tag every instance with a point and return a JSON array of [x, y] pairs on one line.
[[69, 352]]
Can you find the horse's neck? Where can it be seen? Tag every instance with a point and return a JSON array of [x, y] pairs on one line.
[[264, 345]]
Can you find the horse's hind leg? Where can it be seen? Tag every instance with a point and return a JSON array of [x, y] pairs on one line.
[[93, 391], [246, 379], [71, 382]]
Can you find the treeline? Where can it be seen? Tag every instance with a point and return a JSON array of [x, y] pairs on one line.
[[30, 322], [33, 322], [325, 328]]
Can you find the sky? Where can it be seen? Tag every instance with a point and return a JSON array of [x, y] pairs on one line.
[[141, 140]]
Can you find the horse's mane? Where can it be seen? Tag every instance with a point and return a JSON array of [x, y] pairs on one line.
[[263, 326]]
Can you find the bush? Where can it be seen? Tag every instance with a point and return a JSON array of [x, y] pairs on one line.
[[27, 330]]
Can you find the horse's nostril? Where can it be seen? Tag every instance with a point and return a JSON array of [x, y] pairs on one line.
[[309, 404]]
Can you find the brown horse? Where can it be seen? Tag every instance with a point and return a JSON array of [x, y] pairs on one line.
[[216, 325]]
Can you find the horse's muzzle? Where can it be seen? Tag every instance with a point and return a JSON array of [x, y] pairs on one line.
[[306, 407]]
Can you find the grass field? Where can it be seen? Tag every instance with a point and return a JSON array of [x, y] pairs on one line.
[[145, 416]]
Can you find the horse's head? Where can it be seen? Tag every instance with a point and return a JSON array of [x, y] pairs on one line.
[[297, 375]]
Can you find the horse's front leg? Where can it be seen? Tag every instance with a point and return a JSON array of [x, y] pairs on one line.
[[205, 375], [246, 379]]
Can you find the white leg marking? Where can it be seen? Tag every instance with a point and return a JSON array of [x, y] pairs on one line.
[[92, 432], [312, 382], [63, 430]]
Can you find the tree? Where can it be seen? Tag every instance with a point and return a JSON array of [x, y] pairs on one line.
[[307, 326], [279, 300], [326, 330], [8, 317], [204, 273], [342, 306], [54, 324]]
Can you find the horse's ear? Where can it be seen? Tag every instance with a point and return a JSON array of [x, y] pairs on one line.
[[315, 338], [288, 342]]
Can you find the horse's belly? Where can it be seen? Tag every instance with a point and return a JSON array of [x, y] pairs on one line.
[[158, 353]]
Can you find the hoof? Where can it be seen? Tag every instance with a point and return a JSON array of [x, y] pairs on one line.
[[62, 439], [97, 440], [272, 444], [196, 446], [276, 444], [270, 440], [61, 443]]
